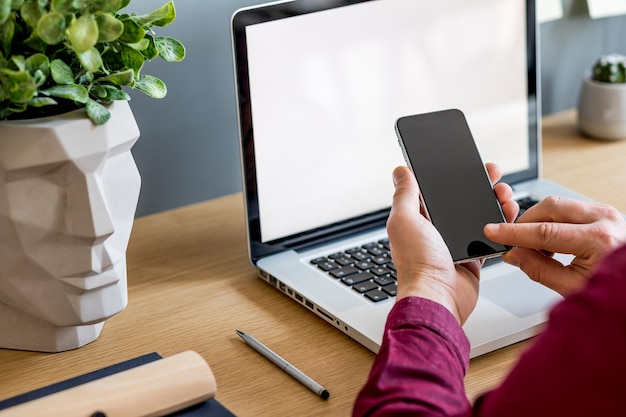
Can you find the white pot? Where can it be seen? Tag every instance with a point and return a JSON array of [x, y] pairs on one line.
[[68, 196], [602, 109]]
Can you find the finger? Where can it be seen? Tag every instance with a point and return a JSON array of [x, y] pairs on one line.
[[510, 208], [503, 192], [546, 236], [494, 171], [564, 210], [406, 195], [545, 270]]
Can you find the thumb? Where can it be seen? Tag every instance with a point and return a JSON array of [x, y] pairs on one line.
[[406, 195], [544, 270]]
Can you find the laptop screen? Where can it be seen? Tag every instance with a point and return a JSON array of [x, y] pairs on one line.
[[321, 84]]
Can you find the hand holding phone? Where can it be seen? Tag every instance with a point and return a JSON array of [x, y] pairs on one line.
[[455, 189]]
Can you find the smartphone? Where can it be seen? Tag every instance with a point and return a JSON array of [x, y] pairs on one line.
[[455, 189]]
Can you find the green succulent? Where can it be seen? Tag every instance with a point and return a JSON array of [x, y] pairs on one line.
[[610, 69], [59, 55]]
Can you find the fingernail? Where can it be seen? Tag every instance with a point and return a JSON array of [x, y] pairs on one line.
[[491, 228], [398, 175]]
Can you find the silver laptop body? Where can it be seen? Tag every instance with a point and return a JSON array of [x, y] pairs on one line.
[[319, 86]]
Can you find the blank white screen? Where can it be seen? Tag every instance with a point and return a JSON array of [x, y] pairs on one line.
[[326, 89]]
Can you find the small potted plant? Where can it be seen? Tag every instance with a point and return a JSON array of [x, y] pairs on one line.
[[602, 100], [68, 183]]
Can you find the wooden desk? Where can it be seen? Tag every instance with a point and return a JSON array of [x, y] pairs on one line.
[[190, 287]]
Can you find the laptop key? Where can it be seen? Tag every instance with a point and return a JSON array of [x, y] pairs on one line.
[[379, 271], [361, 256], [371, 245], [327, 266], [365, 286], [391, 289], [357, 249], [364, 265], [384, 280], [376, 295], [376, 251], [344, 271], [319, 260], [344, 260], [381, 260], [357, 278]]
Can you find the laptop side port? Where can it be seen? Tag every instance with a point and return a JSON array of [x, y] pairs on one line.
[[273, 281]]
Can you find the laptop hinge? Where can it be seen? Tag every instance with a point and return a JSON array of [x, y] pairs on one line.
[[332, 234]]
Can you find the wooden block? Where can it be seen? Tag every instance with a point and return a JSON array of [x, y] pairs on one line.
[[155, 389]]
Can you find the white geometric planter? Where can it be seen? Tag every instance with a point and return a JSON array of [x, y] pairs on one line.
[[602, 109], [68, 196]]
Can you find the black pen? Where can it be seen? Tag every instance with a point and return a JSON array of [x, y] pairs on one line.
[[284, 365]]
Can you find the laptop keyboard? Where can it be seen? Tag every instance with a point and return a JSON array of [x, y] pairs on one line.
[[369, 270]]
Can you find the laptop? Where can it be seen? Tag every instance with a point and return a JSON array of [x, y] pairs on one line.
[[319, 86]]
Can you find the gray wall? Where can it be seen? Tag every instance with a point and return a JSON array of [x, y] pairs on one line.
[[188, 150]]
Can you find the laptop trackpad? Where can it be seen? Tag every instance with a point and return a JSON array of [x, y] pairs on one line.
[[518, 294]]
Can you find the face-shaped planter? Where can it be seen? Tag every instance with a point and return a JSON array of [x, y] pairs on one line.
[[68, 195]]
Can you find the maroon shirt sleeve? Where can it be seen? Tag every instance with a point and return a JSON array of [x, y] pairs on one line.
[[420, 366], [576, 367]]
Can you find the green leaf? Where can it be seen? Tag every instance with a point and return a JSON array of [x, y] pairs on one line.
[[132, 59], [119, 78], [162, 16], [133, 32], [19, 62], [139, 46], [151, 86], [5, 10], [104, 6], [170, 49], [7, 30], [16, 4], [150, 52], [83, 33], [51, 28], [42, 101], [39, 78], [112, 60], [97, 112], [35, 43], [16, 86], [115, 93], [90, 59], [109, 28], [63, 6], [85, 77], [71, 92], [97, 91], [61, 72], [38, 62], [31, 12]]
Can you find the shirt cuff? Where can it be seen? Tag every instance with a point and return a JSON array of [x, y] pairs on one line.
[[417, 311]]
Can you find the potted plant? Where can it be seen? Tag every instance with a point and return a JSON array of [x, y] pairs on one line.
[[602, 100], [68, 182]]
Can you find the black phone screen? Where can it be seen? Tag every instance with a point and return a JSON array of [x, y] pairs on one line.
[[455, 187]]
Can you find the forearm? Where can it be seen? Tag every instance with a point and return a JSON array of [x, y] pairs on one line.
[[578, 365], [420, 367]]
